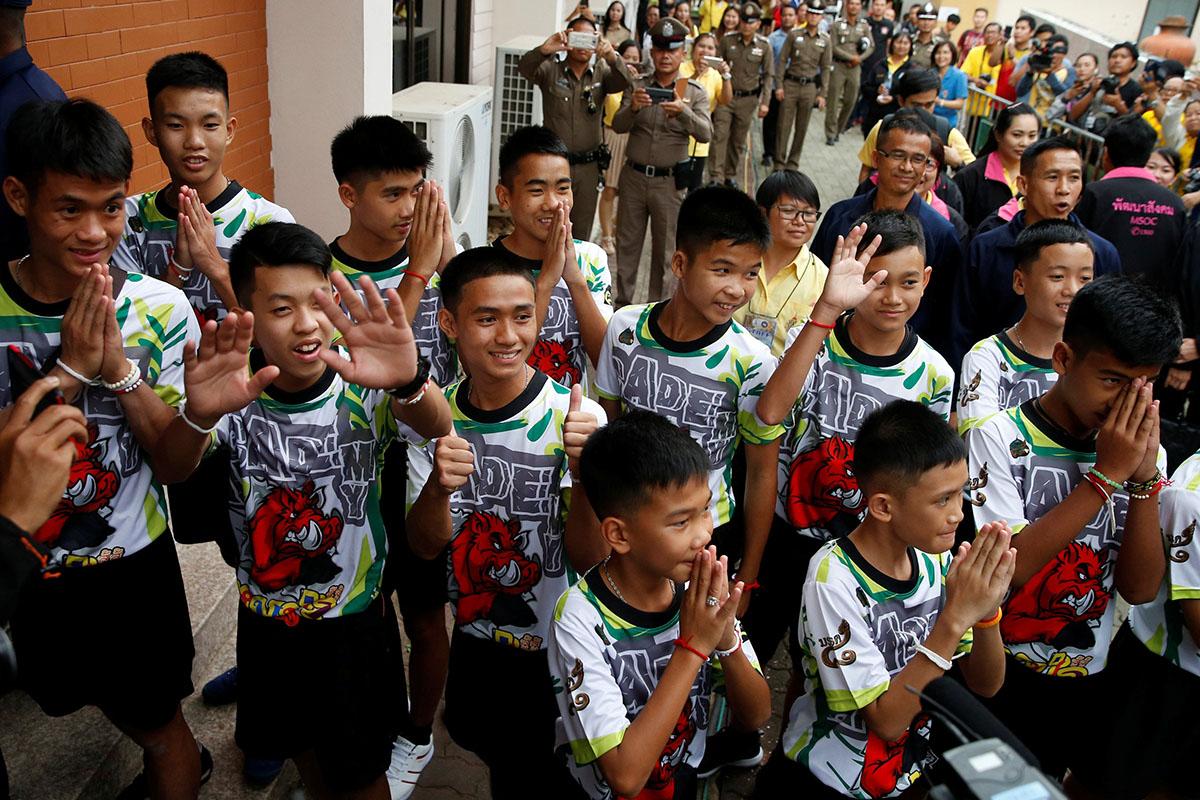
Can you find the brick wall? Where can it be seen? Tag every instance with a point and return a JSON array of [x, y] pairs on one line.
[[101, 49]]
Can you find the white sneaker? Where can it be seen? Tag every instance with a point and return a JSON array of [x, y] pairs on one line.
[[408, 760]]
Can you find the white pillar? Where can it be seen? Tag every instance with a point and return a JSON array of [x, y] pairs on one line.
[[328, 62]]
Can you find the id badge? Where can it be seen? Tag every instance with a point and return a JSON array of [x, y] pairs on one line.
[[761, 327]]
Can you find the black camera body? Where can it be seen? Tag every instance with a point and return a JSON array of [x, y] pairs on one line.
[[1040, 62], [1109, 84], [864, 44]]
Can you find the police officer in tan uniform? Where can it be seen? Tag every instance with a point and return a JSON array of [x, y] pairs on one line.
[[852, 43], [573, 92], [926, 39], [751, 61], [801, 76], [659, 115]]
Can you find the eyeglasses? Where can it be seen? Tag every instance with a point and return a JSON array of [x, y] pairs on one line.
[[789, 213], [918, 160]]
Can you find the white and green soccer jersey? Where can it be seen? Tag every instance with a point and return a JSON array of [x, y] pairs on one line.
[[507, 562], [113, 507], [1159, 624], [606, 659], [818, 492], [858, 629], [306, 468], [559, 350], [996, 375], [387, 274], [149, 239], [708, 387], [1060, 621]]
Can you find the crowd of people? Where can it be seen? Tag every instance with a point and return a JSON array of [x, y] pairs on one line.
[[911, 433]]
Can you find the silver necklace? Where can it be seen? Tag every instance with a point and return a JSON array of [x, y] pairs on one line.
[[17, 269], [528, 378], [613, 584], [1017, 336]]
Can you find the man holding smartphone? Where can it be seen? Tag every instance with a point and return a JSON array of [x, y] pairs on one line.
[[751, 65], [659, 116], [573, 91]]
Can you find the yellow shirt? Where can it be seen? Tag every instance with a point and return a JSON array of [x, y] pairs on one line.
[[712, 82], [612, 104], [976, 66], [1185, 151], [711, 12], [866, 154], [788, 299]]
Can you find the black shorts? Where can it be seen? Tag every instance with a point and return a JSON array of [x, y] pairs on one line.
[[334, 687], [1060, 720], [116, 636], [774, 610], [1152, 736], [419, 584], [782, 777]]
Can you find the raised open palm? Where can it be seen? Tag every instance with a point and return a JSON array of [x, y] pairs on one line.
[[847, 285], [383, 352], [215, 374]]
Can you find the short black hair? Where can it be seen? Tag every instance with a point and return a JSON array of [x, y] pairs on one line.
[[1127, 317], [1032, 153], [1044, 233], [900, 121], [1130, 46], [635, 454], [1172, 156], [73, 137], [955, 18], [1028, 20], [719, 214], [1129, 140], [274, 244], [1056, 39], [787, 183], [527, 141], [900, 442], [191, 70], [476, 263], [371, 146], [916, 80], [953, 50], [581, 18], [895, 229], [1045, 27]]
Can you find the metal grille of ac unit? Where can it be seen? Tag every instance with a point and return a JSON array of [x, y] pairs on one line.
[[421, 129], [516, 110], [462, 168]]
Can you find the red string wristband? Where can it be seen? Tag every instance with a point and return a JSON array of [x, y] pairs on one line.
[[416, 275], [750, 587], [814, 323], [1098, 486], [681, 642]]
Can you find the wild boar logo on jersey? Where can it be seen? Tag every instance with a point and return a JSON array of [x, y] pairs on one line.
[[551, 357], [822, 485], [492, 572], [291, 539], [885, 763], [1057, 604], [661, 783], [77, 522]]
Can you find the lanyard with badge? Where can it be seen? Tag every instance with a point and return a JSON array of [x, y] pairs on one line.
[[763, 326]]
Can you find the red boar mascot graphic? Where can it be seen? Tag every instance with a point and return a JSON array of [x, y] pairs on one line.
[[661, 783], [77, 523], [492, 572], [822, 486], [1055, 606], [550, 356], [885, 763], [291, 539]]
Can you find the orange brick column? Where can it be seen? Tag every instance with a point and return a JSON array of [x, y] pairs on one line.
[[101, 50]]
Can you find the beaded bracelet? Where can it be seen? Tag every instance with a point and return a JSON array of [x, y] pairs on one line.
[[180, 271], [133, 387], [1099, 486], [1141, 487], [127, 384], [1161, 484], [1104, 478], [681, 642]]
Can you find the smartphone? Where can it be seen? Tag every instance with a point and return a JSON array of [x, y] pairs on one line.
[[713, 61], [23, 373], [582, 40], [660, 95]]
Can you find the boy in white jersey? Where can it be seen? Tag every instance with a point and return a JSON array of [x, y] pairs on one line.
[[837, 369], [885, 610], [1155, 663], [1054, 259], [115, 341], [182, 232], [640, 641], [499, 513], [1075, 473], [573, 282], [307, 427], [399, 237]]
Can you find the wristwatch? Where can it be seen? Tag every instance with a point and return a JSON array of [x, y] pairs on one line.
[[405, 394]]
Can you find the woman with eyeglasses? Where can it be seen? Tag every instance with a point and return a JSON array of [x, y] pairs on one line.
[[791, 277], [991, 180], [720, 92]]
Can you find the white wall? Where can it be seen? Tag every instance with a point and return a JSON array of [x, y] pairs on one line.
[[497, 21], [328, 63], [1116, 19]]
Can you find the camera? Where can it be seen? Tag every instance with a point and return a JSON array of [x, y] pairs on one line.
[[1109, 84], [1193, 180], [660, 95], [864, 44]]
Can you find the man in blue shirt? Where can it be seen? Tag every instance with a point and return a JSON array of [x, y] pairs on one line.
[[20, 82], [903, 151]]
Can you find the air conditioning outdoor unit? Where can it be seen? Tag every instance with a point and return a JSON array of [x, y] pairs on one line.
[[518, 102], [454, 121]]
